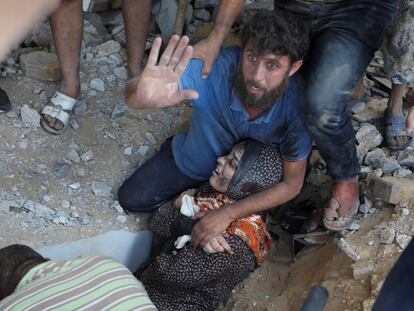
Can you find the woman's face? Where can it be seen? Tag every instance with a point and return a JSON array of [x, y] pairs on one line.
[[226, 167]]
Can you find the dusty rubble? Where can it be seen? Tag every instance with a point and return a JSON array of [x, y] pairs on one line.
[[59, 188]]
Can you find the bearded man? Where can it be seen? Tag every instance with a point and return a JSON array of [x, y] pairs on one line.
[[251, 92]]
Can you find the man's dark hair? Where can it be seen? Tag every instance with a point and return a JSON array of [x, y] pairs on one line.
[[278, 32], [13, 258]]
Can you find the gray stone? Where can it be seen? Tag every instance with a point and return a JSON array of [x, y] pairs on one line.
[[22, 143], [202, 14], [371, 156], [74, 123], [128, 151], [387, 165], [75, 214], [6, 205], [108, 48], [65, 204], [121, 73], [386, 235], [85, 220], [119, 110], [75, 185], [368, 116], [353, 227], [150, 138], [39, 209], [80, 107], [42, 35], [59, 220], [73, 156], [60, 169], [402, 172], [406, 157], [368, 138], [87, 156], [347, 249], [118, 33], [117, 207], [30, 116], [11, 115], [41, 65], [101, 189], [37, 90], [96, 20], [97, 84], [143, 150], [80, 172], [402, 240], [122, 219]]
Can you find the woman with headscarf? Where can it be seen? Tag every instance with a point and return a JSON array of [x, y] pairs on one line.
[[199, 279]]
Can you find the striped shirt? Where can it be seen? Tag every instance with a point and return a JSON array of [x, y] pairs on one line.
[[87, 283]]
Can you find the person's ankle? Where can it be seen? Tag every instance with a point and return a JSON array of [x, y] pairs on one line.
[[70, 89]]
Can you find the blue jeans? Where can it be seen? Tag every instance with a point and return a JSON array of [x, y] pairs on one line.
[[397, 291], [344, 37]]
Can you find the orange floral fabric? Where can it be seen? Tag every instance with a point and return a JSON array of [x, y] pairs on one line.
[[252, 229]]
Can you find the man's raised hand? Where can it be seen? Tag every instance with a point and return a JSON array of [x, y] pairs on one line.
[[157, 86]]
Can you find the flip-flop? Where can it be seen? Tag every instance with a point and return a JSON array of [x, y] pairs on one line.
[[5, 104], [395, 127], [333, 219], [60, 107]]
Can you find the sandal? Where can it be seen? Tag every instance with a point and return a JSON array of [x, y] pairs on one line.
[[60, 107], [5, 104], [395, 127], [333, 219]]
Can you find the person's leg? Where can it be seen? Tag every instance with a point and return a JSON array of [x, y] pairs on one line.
[[337, 60], [156, 181], [67, 26], [136, 18]]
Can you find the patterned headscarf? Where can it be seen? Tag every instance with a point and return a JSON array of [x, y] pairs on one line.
[[260, 168]]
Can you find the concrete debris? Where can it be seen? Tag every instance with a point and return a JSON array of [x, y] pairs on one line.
[[74, 123], [122, 219], [30, 116], [202, 14], [85, 220], [75, 185], [358, 107], [87, 156], [119, 110], [368, 116], [121, 73], [6, 206], [386, 235], [80, 107], [108, 48], [97, 84], [392, 189], [402, 240], [406, 157], [101, 189], [143, 150], [402, 172], [344, 246], [38, 209], [65, 204], [117, 207], [128, 151], [41, 65], [73, 156], [368, 138], [362, 269], [60, 169], [150, 138]]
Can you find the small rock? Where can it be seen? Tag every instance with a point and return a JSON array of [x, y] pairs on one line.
[[149, 117], [65, 204], [358, 107], [101, 189], [87, 156], [368, 116], [122, 219], [85, 220], [11, 115], [60, 169], [368, 138], [41, 65], [46, 199], [202, 14], [128, 151], [6, 206], [30, 116], [119, 110], [150, 138], [80, 172], [73, 156], [59, 220], [370, 243], [74, 123], [80, 108], [121, 73], [406, 157], [143, 150], [354, 227], [347, 249], [403, 240], [374, 154], [108, 48], [75, 185], [402, 172], [386, 235], [205, 3], [97, 84], [362, 270], [74, 214], [22, 143], [116, 206], [37, 90]]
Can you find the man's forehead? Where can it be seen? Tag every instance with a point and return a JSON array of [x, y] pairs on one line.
[[269, 54]]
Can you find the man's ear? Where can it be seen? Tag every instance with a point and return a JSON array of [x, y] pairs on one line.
[[295, 67]]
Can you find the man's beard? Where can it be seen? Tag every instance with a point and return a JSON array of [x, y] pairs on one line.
[[266, 101]]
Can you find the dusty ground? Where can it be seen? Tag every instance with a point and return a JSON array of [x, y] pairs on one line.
[[35, 167]]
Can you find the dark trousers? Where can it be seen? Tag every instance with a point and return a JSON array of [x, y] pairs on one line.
[[344, 37], [397, 291], [156, 181]]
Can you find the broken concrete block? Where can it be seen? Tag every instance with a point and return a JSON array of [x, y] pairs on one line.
[[387, 165], [362, 270], [406, 157], [41, 65], [372, 155], [30, 116], [386, 235], [369, 137], [101, 189], [392, 189]]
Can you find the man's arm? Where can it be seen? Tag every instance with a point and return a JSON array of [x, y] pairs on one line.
[[216, 221], [18, 18], [209, 48], [410, 121], [158, 85]]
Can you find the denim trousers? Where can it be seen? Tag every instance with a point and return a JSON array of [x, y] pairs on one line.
[[344, 38]]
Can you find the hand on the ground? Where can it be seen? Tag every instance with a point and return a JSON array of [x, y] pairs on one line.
[[213, 223], [217, 244], [179, 201], [410, 121], [157, 86], [207, 50]]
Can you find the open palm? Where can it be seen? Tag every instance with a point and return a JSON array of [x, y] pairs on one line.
[[158, 84]]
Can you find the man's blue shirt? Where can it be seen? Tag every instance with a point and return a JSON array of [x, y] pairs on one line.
[[219, 120]]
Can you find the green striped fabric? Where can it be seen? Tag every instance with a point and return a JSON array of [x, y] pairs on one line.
[[87, 283]]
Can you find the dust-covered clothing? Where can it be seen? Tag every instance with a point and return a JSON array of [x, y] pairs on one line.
[[398, 48]]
